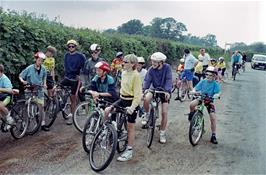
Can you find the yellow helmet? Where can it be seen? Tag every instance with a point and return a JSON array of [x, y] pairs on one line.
[[72, 42]]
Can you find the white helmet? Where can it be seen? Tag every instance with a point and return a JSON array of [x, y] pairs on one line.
[[221, 58], [141, 60], [212, 69], [182, 60], [158, 56], [95, 47]]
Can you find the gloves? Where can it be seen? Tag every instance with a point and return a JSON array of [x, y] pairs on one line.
[[130, 110], [216, 96]]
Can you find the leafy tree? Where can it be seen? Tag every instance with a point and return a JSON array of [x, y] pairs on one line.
[[210, 40], [131, 27]]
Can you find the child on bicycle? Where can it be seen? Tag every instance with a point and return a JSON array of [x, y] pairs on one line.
[[36, 74], [211, 88], [159, 75], [5, 90], [102, 84], [221, 67], [130, 97]]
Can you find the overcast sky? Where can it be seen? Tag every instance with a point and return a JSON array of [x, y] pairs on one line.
[[230, 21]]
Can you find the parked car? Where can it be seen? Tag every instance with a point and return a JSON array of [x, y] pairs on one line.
[[258, 61]]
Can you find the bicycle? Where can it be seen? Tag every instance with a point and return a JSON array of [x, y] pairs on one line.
[[154, 114], [196, 126], [61, 100], [235, 70], [17, 112], [184, 90], [83, 112], [111, 136], [93, 123]]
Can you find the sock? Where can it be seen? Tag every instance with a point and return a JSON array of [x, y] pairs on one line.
[[162, 132]]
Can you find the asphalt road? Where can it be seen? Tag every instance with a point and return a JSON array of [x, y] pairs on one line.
[[241, 133]]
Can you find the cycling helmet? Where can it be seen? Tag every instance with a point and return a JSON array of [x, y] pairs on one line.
[[52, 49], [182, 60], [141, 60], [212, 69], [119, 54], [213, 59], [103, 66], [158, 56], [95, 47], [72, 42], [39, 55], [221, 58]]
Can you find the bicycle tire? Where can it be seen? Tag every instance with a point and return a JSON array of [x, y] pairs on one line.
[[90, 131], [34, 116], [51, 107], [122, 139], [151, 128], [196, 121], [182, 93], [111, 135], [18, 113], [79, 119]]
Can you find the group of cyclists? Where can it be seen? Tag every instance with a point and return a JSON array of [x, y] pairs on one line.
[[126, 82]]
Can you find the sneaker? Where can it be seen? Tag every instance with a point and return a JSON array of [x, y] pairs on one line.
[[162, 137], [126, 156], [213, 139], [69, 119], [144, 119], [9, 119]]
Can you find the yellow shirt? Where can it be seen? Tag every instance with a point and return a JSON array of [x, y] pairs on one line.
[[131, 86], [199, 68], [49, 64], [221, 65]]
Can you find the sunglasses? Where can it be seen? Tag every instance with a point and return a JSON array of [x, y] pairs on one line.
[[71, 46], [209, 75], [126, 61]]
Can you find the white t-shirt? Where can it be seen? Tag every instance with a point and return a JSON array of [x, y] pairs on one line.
[[205, 59], [142, 74], [190, 61]]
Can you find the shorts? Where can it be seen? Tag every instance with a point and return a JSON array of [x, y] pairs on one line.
[[163, 99], [5, 99], [74, 84], [210, 106], [126, 103], [188, 74], [49, 82]]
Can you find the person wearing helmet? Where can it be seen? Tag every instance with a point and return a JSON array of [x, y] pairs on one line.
[[190, 63], [5, 98], [140, 68], [213, 62], [89, 70], [36, 74], [180, 67], [205, 58], [212, 89], [73, 64], [102, 84], [236, 59], [49, 64], [116, 67], [221, 66], [130, 98], [159, 76]]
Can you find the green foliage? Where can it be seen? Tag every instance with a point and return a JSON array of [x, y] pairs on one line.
[[24, 34]]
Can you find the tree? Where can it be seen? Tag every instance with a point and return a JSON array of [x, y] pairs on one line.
[[167, 28], [210, 40], [131, 27]]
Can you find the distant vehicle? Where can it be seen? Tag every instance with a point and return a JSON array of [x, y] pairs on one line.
[[258, 61]]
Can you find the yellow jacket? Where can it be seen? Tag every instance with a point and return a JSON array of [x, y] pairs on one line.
[[131, 87], [221, 65], [199, 68]]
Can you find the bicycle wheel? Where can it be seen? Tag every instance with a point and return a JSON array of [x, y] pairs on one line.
[[196, 128], [34, 118], [182, 92], [121, 133], [103, 148], [151, 127], [81, 114], [50, 112], [89, 131], [19, 114]]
